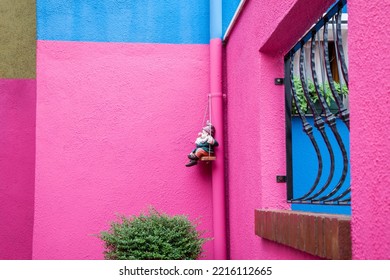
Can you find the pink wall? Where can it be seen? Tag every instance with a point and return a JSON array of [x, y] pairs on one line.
[[115, 122], [370, 142], [256, 123], [17, 156]]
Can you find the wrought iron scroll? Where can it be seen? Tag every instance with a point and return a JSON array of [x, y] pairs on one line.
[[331, 122], [308, 129], [343, 111], [318, 123], [340, 49], [325, 194]]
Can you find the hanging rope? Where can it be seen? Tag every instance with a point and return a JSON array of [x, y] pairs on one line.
[[208, 123], [210, 110], [205, 112]]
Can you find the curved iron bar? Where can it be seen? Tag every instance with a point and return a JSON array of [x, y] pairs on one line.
[[307, 128], [340, 50], [345, 168], [339, 71], [345, 201], [343, 112], [330, 120], [339, 197], [318, 123], [335, 132]]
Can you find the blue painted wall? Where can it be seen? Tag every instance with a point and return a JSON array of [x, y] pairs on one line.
[[305, 164], [228, 10], [157, 21]]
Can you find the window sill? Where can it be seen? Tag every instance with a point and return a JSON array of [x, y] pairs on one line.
[[324, 235]]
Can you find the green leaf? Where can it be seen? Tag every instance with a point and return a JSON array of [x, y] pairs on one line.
[[153, 236]]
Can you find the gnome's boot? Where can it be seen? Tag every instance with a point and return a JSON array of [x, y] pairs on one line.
[[192, 162], [193, 156]]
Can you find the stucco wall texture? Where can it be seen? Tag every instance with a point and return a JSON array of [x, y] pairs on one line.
[[256, 123], [115, 122], [153, 21], [369, 67], [122, 89], [17, 158], [17, 127], [17, 40], [272, 27]]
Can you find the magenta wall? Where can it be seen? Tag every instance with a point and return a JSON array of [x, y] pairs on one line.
[[370, 146], [256, 114], [115, 122], [17, 157], [256, 123]]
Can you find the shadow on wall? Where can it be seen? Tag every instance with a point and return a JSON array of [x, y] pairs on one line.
[[17, 165], [17, 127]]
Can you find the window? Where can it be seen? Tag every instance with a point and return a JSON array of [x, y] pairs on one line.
[[317, 117]]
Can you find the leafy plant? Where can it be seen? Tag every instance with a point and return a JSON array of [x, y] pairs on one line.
[[153, 236], [324, 90]]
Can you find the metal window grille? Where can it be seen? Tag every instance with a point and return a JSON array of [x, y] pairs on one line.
[[316, 76]]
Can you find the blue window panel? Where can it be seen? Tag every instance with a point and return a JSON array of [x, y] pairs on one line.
[[325, 209], [157, 21], [305, 165]]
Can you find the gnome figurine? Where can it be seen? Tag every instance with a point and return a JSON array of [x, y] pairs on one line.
[[205, 144]]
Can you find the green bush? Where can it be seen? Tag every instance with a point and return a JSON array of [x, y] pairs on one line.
[[153, 236]]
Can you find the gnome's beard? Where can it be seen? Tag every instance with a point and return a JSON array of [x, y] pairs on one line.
[[202, 138]]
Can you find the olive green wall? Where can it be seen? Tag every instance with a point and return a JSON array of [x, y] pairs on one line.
[[17, 39]]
